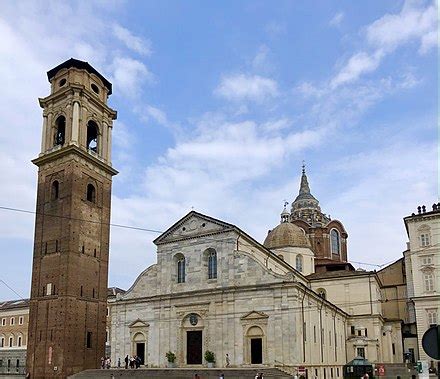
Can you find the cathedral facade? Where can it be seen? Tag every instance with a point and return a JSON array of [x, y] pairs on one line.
[[216, 288]]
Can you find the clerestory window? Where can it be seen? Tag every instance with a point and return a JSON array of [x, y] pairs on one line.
[[181, 270], [212, 264]]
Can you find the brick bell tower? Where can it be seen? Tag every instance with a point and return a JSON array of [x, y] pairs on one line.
[[71, 248]]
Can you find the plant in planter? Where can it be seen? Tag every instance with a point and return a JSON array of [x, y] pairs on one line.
[[210, 358], [171, 358]]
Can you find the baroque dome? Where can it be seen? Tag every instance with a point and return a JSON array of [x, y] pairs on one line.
[[286, 234]]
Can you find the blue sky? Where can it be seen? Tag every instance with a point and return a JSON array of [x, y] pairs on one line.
[[218, 104]]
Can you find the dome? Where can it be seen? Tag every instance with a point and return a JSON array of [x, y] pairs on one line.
[[286, 234]]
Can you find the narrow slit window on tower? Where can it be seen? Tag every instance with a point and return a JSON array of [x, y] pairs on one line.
[[91, 193], [89, 340], [55, 191], [92, 136], [60, 134]]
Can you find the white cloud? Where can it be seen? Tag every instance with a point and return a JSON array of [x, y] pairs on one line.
[[260, 61], [133, 42], [358, 64], [337, 19], [156, 114], [129, 75], [429, 41], [277, 125], [389, 32], [414, 22], [239, 87]]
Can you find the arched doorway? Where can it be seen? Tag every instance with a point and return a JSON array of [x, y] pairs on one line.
[[255, 341], [139, 346]]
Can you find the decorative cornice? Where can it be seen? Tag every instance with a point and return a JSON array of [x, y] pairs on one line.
[[75, 150]]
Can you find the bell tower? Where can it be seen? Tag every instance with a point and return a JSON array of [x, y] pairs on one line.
[[71, 245]]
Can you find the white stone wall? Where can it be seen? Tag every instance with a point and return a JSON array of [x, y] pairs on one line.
[[253, 288], [423, 301]]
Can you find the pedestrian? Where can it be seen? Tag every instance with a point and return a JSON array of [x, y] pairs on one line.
[[228, 361], [222, 376], [137, 361], [102, 362], [131, 362], [126, 361], [119, 362]]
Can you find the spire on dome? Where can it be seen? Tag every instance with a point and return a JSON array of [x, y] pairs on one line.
[[306, 206], [304, 188]]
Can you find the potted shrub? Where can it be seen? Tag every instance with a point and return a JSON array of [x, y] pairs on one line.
[[171, 359], [210, 358]]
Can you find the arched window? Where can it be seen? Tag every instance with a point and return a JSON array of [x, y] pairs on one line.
[[322, 293], [2, 341], [299, 262], [91, 193], [212, 264], [19, 341], [335, 241], [429, 282], [55, 191], [181, 269], [60, 134], [92, 136], [11, 341]]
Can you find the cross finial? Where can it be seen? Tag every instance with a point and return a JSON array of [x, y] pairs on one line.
[[304, 167]]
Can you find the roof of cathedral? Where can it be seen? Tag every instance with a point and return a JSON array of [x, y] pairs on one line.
[[286, 235], [338, 274], [76, 63]]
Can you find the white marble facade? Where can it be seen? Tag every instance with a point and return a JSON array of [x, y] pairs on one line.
[[256, 308]]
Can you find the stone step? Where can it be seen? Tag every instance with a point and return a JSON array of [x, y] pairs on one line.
[[181, 373]]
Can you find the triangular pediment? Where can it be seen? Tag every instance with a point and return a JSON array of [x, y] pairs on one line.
[[194, 224], [254, 315], [138, 324]]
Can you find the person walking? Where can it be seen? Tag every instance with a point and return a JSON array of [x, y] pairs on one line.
[[126, 362], [228, 360], [119, 362], [102, 362]]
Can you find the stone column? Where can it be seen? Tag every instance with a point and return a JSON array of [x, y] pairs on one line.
[[75, 123], [109, 144], [49, 129], [44, 135], [104, 141]]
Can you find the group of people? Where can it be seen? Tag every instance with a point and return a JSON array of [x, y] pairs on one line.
[[133, 362], [106, 362]]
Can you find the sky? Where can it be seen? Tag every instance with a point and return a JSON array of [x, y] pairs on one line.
[[218, 105]]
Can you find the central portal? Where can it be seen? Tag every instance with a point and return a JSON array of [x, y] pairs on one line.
[[194, 347]]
